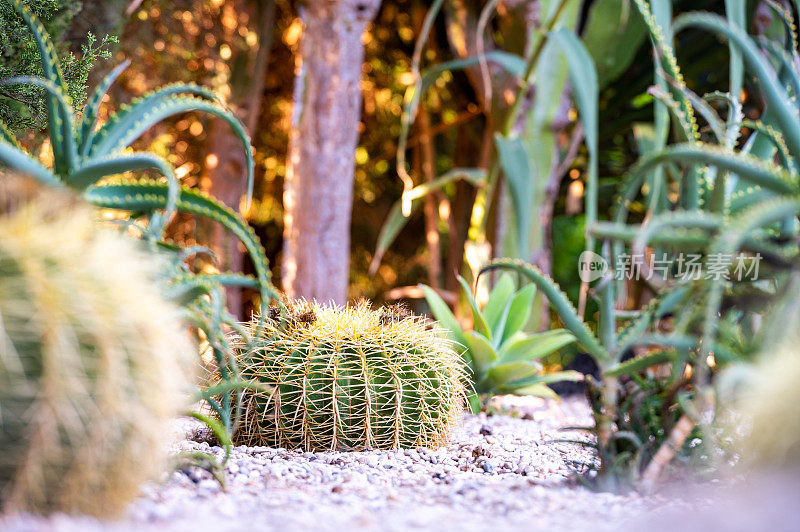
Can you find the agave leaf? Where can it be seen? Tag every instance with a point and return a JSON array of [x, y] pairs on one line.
[[496, 308], [503, 372], [482, 353], [518, 312], [443, 315], [515, 161], [559, 301], [585, 90], [118, 135], [535, 346], [538, 389], [396, 220], [479, 324], [520, 386], [17, 159]]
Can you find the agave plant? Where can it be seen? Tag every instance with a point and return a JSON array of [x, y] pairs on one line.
[[502, 357], [85, 154]]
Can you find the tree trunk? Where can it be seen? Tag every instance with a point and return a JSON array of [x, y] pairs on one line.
[[318, 193]]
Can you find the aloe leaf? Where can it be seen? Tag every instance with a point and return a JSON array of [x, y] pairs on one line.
[[92, 107], [117, 135], [536, 346], [479, 324], [94, 170], [559, 301], [17, 159], [443, 315], [640, 363], [53, 73], [131, 114], [736, 13], [518, 312], [787, 64], [188, 287], [729, 241], [774, 94], [482, 353], [149, 195], [496, 308], [681, 237], [776, 139], [8, 137], [674, 219], [746, 167], [61, 126], [396, 220]]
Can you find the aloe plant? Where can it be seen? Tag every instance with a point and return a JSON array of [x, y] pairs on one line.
[[86, 153], [503, 358], [729, 196]]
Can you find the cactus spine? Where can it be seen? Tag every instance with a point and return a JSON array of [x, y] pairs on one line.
[[92, 361], [349, 379]]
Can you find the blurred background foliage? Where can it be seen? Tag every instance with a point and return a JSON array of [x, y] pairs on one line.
[[211, 43]]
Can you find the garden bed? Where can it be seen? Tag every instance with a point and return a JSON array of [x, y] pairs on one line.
[[504, 471]]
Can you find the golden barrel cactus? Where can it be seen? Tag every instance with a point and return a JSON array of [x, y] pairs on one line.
[[350, 378], [93, 362]]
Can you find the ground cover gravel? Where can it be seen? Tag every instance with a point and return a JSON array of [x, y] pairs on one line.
[[506, 471]]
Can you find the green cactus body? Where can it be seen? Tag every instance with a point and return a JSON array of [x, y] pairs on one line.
[[350, 379], [93, 363]]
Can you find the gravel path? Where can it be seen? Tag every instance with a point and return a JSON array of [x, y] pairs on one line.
[[501, 471]]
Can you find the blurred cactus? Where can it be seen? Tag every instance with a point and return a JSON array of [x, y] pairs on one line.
[[92, 359], [350, 378], [770, 408]]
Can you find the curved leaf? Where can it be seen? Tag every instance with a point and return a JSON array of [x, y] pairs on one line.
[[536, 346], [443, 315], [118, 134], [478, 322], [518, 312], [149, 195], [17, 159], [559, 301]]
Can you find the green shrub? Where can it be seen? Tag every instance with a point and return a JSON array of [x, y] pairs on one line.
[[24, 107], [350, 379], [93, 361]]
